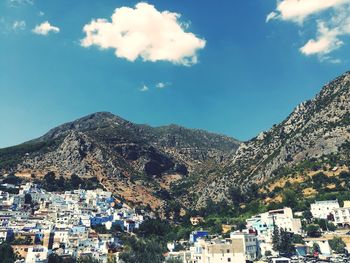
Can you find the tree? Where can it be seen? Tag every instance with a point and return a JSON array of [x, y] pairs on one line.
[[54, 258], [313, 231], [7, 255], [153, 227], [28, 199], [331, 226], [319, 180], [12, 179], [23, 241], [337, 244], [61, 183], [174, 260], [241, 225], [282, 241], [275, 238], [316, 248], [76, 181], [88, 259], [344, 175], [308, 216], [111, 259], [49, 183], [268, 253], [325, 225], [286, 246], [298, 239], [253, 192], [289, 198], [143, 251], [236, 196]]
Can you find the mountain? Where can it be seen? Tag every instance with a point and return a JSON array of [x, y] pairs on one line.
[[137, 162], [175, 167], [316, 132]]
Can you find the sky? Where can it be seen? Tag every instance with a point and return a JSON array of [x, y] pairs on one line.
[[231, 67]]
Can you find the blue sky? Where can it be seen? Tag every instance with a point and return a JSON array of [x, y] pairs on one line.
[[229, 70]]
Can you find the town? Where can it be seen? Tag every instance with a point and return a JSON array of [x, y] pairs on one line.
[[86, 224], [73, 224]]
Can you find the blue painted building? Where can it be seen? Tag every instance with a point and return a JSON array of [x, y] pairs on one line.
[[198, 234], [100, 220]]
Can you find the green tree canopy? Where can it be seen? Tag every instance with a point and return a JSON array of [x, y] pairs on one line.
[[313, 231], [337, 244], [7, 254], [143, 251]]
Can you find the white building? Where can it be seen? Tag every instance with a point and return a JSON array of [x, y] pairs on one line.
[[264, 225], [37, 254], [250, 244], [322, 209], [3, 235], [322, 242], [341, 216], [61, 235], [218, 250], [282, 218]]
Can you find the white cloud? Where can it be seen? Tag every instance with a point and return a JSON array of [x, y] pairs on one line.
[[16, 3], [298, 10], [332, 25], [144, 88], [45, 28], [162, 85], [271, 16], [19, 25], [326, 42], [147, 33]]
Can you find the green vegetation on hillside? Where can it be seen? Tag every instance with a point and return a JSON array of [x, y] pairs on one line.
[[53, 184], [11, 156]]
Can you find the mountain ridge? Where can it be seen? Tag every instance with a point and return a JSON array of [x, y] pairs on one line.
[[160, 165], [131, 160], [316, 128]]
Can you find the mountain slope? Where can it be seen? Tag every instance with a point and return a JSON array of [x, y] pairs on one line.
[[134, 161], [171, 164], [316, 129]]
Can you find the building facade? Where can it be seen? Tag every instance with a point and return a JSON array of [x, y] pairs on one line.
[[322, 209], [218, 250]]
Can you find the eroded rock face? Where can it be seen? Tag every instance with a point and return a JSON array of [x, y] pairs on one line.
[[127, 158], [141, 163], [315, 128]]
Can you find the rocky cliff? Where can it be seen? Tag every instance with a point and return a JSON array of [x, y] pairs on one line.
[[134, 161], [157, 166], [315, 129]]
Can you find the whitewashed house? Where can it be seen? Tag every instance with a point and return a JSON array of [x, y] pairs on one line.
[[322, 209], [250, 244]]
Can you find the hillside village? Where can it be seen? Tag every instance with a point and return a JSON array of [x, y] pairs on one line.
[[78, 225], [72, 223], [103, 189]]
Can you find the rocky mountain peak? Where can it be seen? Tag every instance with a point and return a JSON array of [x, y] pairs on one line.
[[92, 122], [132, 160], [316, 128]]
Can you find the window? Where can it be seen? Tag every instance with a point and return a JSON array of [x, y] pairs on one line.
[[229, 260], [228, 251]]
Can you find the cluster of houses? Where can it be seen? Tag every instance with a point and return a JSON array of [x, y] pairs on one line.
[[63, 223], [252, 243], [241, 246], [38, 223]]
